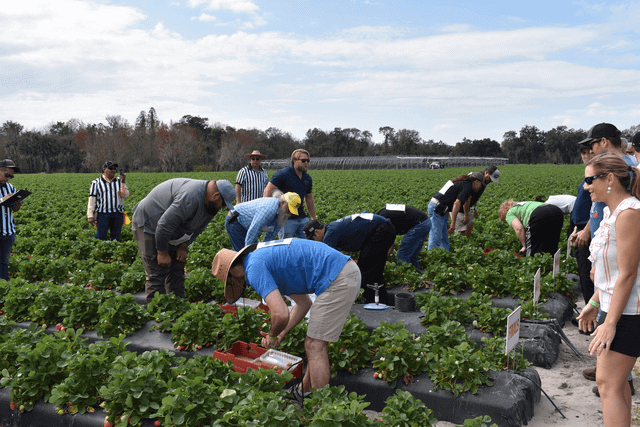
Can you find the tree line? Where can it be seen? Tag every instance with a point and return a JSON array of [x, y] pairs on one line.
[[194, 144]]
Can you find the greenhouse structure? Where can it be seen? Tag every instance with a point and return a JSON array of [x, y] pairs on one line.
[[389, 162]]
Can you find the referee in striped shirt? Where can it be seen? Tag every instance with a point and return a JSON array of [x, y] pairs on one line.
[[106, 202], [7, 227], [252, 179]]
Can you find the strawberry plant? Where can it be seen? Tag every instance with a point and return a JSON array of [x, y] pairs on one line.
[[404, 410], [165, 308], [136, 386], [201, 285], [107, 276], [16, 341], [38, 369], [460, 368], [133, 279], [49, 302], [293, 342], [88, 372], [120, 315], [481, 421], [245, 326], [352, 351], [400, 355], [195, 328], [17, 302], [81, 310], [330, 406]]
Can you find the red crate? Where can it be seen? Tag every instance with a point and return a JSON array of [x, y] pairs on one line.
[[243, 356]]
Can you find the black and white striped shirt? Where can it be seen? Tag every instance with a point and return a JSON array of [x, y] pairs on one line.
[[253, 183], [8, 226], [106, 194]]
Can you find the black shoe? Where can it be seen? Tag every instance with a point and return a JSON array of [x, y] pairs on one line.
[[574, 322]]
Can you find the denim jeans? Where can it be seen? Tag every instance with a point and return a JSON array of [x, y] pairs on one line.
[[6, 244], [111, 222], [237, 234], [413, 241], [438, 237], [293, 228]]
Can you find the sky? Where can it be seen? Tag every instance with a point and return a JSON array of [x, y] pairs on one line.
[[447, 69]]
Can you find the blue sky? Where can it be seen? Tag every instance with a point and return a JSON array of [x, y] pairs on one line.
[[447, 69]]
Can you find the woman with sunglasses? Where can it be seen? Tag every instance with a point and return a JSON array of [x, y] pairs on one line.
[[616, 274], [537, 225]]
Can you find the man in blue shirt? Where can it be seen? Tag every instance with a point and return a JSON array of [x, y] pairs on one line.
[[295, 268], [581, 237], [248, 219], [370, 234], [294, 179]]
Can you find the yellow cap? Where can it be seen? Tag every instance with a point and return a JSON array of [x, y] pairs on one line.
[[293, 200]]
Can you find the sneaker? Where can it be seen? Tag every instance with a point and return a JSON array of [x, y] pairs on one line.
[[297, 394], [633, 389], [589, 374]]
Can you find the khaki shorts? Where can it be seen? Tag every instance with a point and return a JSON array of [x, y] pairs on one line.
[[460, 227], [330, 310]]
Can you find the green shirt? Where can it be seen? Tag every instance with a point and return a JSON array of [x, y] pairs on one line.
[[522, 211]]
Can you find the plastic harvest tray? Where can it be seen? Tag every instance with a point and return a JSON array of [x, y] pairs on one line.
[[233, 309], [244, 357], [278, 358]]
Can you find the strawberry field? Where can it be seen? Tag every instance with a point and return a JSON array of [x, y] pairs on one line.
[[66, 285]]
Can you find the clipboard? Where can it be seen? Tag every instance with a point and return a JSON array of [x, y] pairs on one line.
[[15, 198]]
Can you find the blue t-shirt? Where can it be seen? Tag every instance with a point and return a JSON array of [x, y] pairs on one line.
[[349, 233], [287, 181], [597, 209], [293, 266], [582, 206]]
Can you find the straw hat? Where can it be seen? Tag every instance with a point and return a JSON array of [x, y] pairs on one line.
[[254, 153], [222, 263]]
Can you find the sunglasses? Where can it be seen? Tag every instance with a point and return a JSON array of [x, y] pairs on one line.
[[589, 179], [112, 168], [304, 160], [8, 175], [256, 158]]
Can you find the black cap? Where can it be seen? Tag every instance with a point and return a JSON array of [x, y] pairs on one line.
[[109, 164], [311, 226], [601, 130], [8, 163]]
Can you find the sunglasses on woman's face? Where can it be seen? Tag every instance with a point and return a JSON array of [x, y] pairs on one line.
[[589, 179]]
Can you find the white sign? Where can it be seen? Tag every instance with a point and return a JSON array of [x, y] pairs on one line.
[[513, 330], [556, 264], [367, 215], [274, 243], [395, 207], [536, 287]]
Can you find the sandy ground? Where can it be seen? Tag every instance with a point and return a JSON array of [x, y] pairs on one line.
[[570, 391]]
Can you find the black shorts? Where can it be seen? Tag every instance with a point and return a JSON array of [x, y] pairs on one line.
[[627, 338]]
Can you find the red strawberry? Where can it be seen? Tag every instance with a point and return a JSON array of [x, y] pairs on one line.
[[157, 423], [107, 423], [13, 406]]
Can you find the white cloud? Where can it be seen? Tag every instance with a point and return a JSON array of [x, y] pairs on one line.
[[236, 6], [204, 18]]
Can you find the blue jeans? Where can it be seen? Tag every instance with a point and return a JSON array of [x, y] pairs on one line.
[[438, 237], [293, 227], [413, 241], [111, 222], [237, 234], [6, 244]]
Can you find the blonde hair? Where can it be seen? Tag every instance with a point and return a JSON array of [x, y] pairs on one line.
[[502, 212], [299, 150], [616, 165]]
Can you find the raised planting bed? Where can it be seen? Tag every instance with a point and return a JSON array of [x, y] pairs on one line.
[[509, 402]]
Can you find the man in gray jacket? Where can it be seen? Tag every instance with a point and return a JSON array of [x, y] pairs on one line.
[[168, 220]]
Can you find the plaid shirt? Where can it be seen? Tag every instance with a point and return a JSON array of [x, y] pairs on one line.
[[257, 214]]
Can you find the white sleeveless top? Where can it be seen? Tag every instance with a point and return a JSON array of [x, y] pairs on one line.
[[604, 249]]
